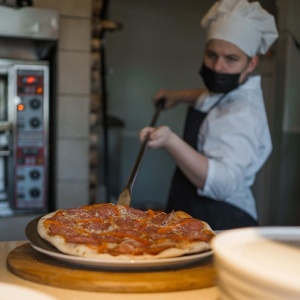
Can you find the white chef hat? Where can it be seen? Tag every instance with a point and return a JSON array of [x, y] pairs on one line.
[[246, 25]]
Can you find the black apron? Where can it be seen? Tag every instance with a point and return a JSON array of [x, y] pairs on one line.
[[183, 194]]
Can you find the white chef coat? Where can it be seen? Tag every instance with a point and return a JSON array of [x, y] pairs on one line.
[[236, 139]]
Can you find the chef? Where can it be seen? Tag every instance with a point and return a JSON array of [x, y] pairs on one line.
[[226, 136]]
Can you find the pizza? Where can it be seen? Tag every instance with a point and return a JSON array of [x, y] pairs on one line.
[[119, 232]]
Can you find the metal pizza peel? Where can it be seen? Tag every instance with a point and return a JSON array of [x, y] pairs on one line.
[[125, 196]]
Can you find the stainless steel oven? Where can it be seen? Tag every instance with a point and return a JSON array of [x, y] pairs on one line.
[[28, 39], [24, 133]]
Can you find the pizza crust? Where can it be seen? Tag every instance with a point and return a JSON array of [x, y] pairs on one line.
[[85, 251]]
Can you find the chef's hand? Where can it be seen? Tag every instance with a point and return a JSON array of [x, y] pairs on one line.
[[158, 137]]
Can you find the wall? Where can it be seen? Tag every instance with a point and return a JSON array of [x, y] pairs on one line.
[[285, 205], [73, 102]]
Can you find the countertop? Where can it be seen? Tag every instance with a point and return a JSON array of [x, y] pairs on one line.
[[61, 293]]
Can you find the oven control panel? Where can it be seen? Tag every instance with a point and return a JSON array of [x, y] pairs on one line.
[[30, 139]]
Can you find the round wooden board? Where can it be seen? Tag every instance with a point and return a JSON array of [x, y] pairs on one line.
[[32, 265]]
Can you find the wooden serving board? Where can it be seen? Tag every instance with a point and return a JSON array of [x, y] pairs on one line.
[[29, 264]]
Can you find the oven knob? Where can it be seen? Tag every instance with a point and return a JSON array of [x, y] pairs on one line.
[[35, 103], [35, 122], [34, 174], [35, 192]]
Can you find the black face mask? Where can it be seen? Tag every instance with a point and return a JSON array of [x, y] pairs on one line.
[[218, 82]]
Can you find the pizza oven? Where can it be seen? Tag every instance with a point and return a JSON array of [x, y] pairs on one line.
[[28, 42]]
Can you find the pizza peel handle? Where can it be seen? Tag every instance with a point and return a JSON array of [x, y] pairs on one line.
[[125, 196]]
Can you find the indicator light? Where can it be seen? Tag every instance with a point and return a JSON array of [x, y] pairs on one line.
[[30, 79], [39, 90], [20, 107]]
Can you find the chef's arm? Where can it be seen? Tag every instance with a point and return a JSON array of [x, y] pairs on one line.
[[193, 164], [173, 97]]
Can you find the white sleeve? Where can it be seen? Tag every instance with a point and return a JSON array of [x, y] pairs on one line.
[[236, 146]]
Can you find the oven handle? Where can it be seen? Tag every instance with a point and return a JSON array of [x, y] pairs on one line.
[[5, 126], [4, 153]]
